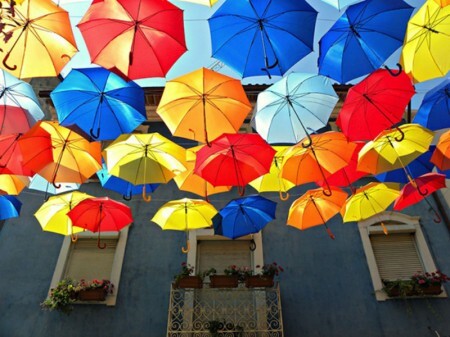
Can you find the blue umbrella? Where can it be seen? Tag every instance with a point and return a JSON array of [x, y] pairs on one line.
[[123, 187], [243, 216], [262, 37], [434, 112], [100, 102], [340, 4], [40, 184], [363, 38], [9, 207], [294, 107]]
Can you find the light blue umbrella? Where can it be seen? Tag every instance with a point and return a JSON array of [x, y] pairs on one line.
[[294, 107], [9, 207], [40, 184], [340, 4]]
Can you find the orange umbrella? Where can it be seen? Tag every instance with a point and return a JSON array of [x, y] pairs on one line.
[[315, 208], [12, 184], [37, 39], [203, 104], [59, 154], [325, 154], [441, 156]]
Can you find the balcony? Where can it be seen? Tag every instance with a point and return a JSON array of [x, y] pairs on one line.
[[239, 312]]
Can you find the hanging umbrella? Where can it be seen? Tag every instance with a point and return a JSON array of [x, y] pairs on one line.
[[442, 3], [272, 181], [124, 187], [434, 111], [9, 207], [234, 160], [266, 34], [59, 154], [52, 215], [325, 154], [11, 160], [144, 158], [13, 119], [441, 156], [203, 104], [394, 148], [184, 215], [13, 184], [40, 184], [293, 107], [340, 4], [208, 3], [314, 208], [425, 50], [100, 214], [375, 104], [100, 102], [363, 38], [244, 216], [38, 39], [135, 39]]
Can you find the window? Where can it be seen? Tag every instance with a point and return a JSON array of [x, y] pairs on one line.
[[84, 260], [397, 255]]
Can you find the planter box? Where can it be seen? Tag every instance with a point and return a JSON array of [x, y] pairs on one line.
[[416, 291], [195, 282], [256, 281], [224, 281], [98, 294]]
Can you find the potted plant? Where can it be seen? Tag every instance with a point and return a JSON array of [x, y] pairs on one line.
[[62, 297], [187, 279], [264, 278], [230, 279], [420, 284], [95, 290]]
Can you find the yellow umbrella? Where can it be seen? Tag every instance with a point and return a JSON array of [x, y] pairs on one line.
[[12, 184], [37, 41], [184, 215], [208, 3], [425, 53], [394, 148], [144, 158], [52, 215], [272, 181]]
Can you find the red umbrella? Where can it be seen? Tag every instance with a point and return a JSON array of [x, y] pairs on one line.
[[234, 159], [134, 38], [11, 161], [418, 189], [375, 104], [100, 215], [13, 119]]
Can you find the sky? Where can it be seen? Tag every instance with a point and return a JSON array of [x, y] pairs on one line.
[[199, 44]]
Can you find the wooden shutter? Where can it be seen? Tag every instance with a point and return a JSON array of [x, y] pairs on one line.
[[87, 261], [396, 255]]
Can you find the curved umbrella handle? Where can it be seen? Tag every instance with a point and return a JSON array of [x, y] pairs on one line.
[[73, 237], [188, 247], [241, 190], [5, 59], [54, 184], [252, 245], [402, 135], [147, 198], [305, 146], [93, 135], [269, 66], [283, 195], [127, 197], [100, 246], [330, 234], [422, 193], [392, 73]]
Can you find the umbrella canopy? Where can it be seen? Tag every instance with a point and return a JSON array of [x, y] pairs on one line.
[[144, 158], [11, 160], [266, 34], [340, 4], [293, 107], [13, 119], [134, 38], [425, 50], [59, 154], [36, 28], [99, 102], [375, 104], [243, 216], [434, 111], [314, 208], [442, 3], [394, 148], [9, 207], [327, 153], [441, 156], [13, 184], [52, 215], [203, 104], [234, 159], [39, 183], [363, 38]]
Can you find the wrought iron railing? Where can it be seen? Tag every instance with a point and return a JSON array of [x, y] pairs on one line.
[[235, 312]]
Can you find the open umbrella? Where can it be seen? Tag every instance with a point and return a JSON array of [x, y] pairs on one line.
[[100, 102], [243, 216], [203, 104], [100, 214], [9, 207], [434, 111], [13, 184], [11, 160], [441, 155], [363, 38], [40, 28], [314, 208], [266, 33], [13, 119], [135, 39], [425, 49], [39, 183], [294, 107], [375, 104], [184, 215]]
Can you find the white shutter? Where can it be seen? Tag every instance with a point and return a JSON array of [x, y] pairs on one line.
[[396, 255]]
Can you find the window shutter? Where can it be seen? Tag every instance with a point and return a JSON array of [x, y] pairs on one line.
[[87, 261], [396, 255]]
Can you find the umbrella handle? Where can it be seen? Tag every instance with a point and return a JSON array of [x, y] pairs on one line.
[[188, 247], [283, 195], [93, 135], [402, 135], [127, 197], [305, 146], [5, 59], [392, 73], [269, 66], [252, 246], [73, 237], [147, 198], [330, 234], [100, 246], [55, 185], [241, 190], [422, 193]]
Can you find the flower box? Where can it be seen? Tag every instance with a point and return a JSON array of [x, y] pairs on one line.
[[96, 294], [398, 291], [195, 282], [255, 281], [224, 281], [433, 289]]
